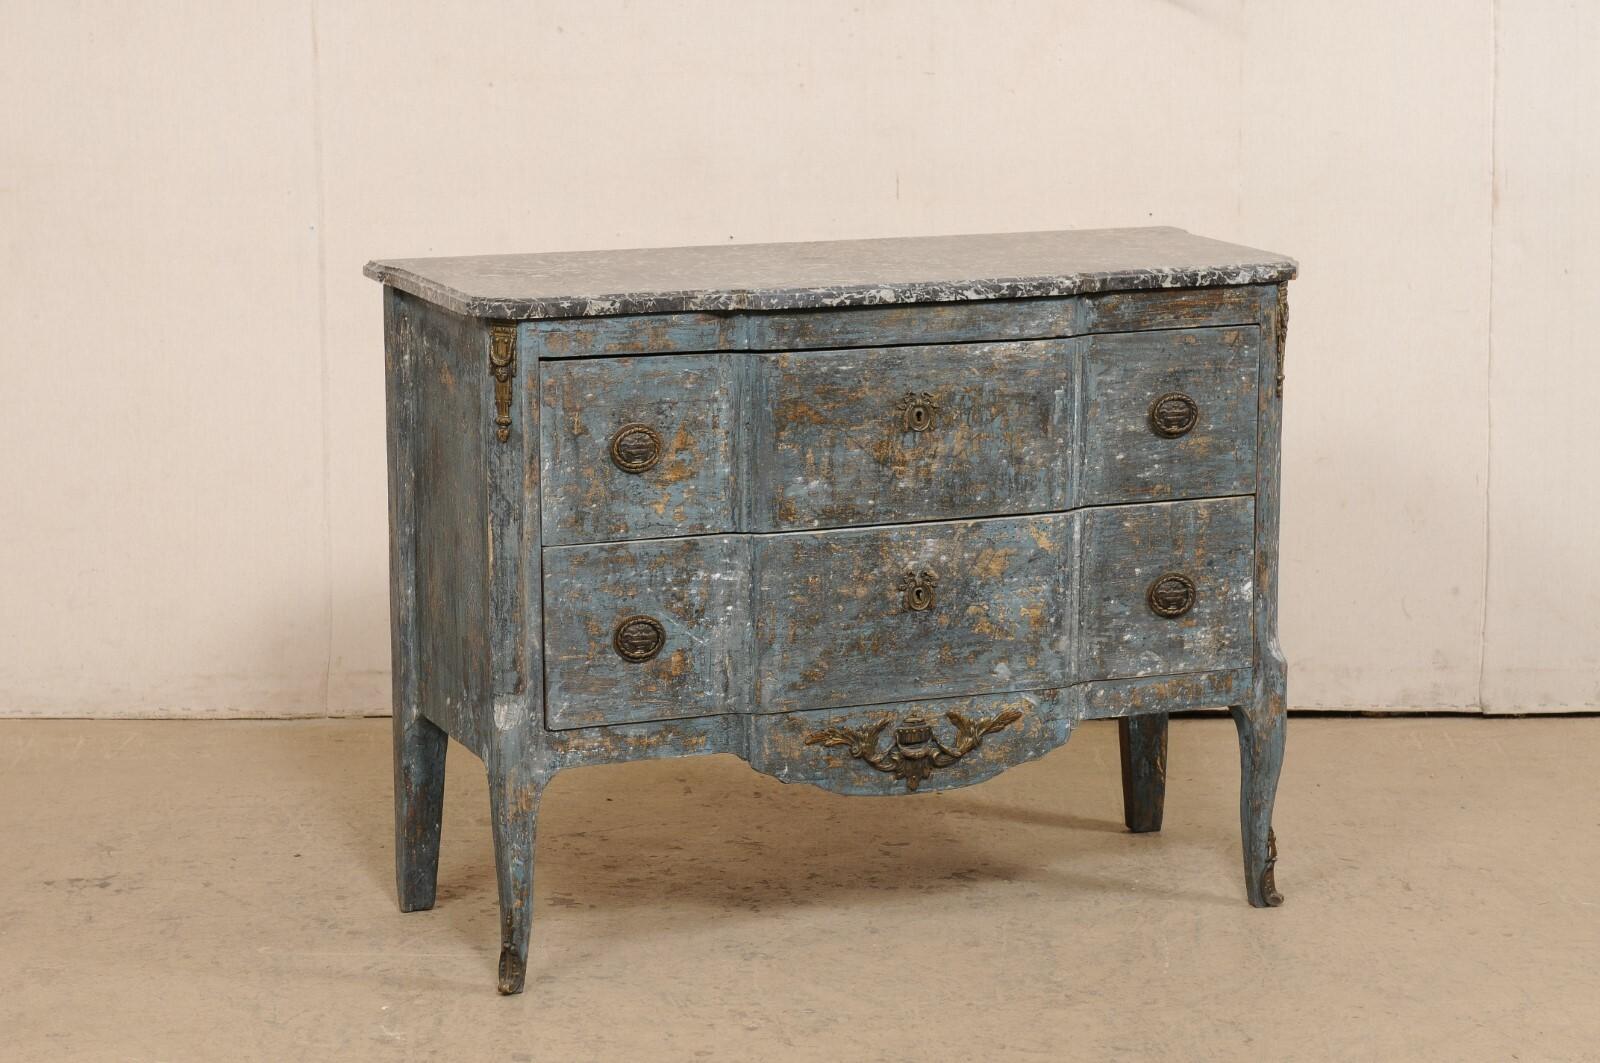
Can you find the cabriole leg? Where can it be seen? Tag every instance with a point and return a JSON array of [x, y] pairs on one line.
[[1262, 720], [419, 751], [1261, 731], [1144, 770], [514, 805]]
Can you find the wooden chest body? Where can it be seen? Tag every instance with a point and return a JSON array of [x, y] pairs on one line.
[[879, 516]]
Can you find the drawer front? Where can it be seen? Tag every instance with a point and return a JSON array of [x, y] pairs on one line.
[[863, 616], [1166, 588], [1169, 415], [809, 621], [644, 630], [637, 448], [910, 433]]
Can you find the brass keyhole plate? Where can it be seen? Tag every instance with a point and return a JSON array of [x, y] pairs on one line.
[[917, 412], [918, 588]]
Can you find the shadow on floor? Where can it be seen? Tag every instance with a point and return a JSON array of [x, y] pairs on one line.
[[703, 839]]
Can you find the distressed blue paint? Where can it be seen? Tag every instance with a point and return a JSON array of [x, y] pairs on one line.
[[773, 442], [503, 579], [419, 744], [778, 743], [879, 326], [1129, 311], [869, 326], [1124, 458], [1114, 698], [1124, 549], [833, 626], [630, 334], [832, 448], [697, 588], [690, 401], [1263, 718], [809, 620]]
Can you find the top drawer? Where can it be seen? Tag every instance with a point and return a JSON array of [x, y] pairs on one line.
[[748, 441], [641, 448], [894, 434], [1168, 415], [637, 448]]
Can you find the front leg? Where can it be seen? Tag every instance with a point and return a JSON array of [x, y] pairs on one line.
[[1261, 725], [1261, 722], [514, 804]]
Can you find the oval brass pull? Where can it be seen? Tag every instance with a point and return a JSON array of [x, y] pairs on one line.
[[918, 587], [1171, 595], [636, 447], [1173, 415], [917, 412], [638, 638]]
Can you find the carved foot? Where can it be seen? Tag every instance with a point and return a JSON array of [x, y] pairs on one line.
[[1261, 733], [514, 804], [513, 970], [1263, 891]]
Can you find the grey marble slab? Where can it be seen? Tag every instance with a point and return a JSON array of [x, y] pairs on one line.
[[834, 273]]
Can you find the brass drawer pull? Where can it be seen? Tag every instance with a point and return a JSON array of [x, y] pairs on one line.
[[1171, 595], [918, 587], [636, 447], [918, 750], [1173, 415], [638, 638], [917, 412]]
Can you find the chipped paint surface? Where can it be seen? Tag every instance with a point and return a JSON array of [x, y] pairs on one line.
[[1124, 460], [1172, 309], [1166, 693], [696, 588], [1031, 426], [833, 626], [836, 449], [451, 517], [1127, 548], [507, 713], [810, 620], [419, 743], [881, 326], [688, 401], [1263, 717]]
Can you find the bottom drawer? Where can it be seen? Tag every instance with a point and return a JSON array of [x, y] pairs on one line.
[[1164, 588], [650, 630], [862, 616], [807, 621]]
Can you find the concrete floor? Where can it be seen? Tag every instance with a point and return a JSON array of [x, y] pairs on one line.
[[221, 891]]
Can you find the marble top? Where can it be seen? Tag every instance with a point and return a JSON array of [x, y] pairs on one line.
[[833, 273]]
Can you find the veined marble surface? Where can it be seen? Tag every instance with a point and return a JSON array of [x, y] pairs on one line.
[[834, 273]]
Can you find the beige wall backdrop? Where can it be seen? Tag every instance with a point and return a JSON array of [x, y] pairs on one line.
[[192, 516]]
